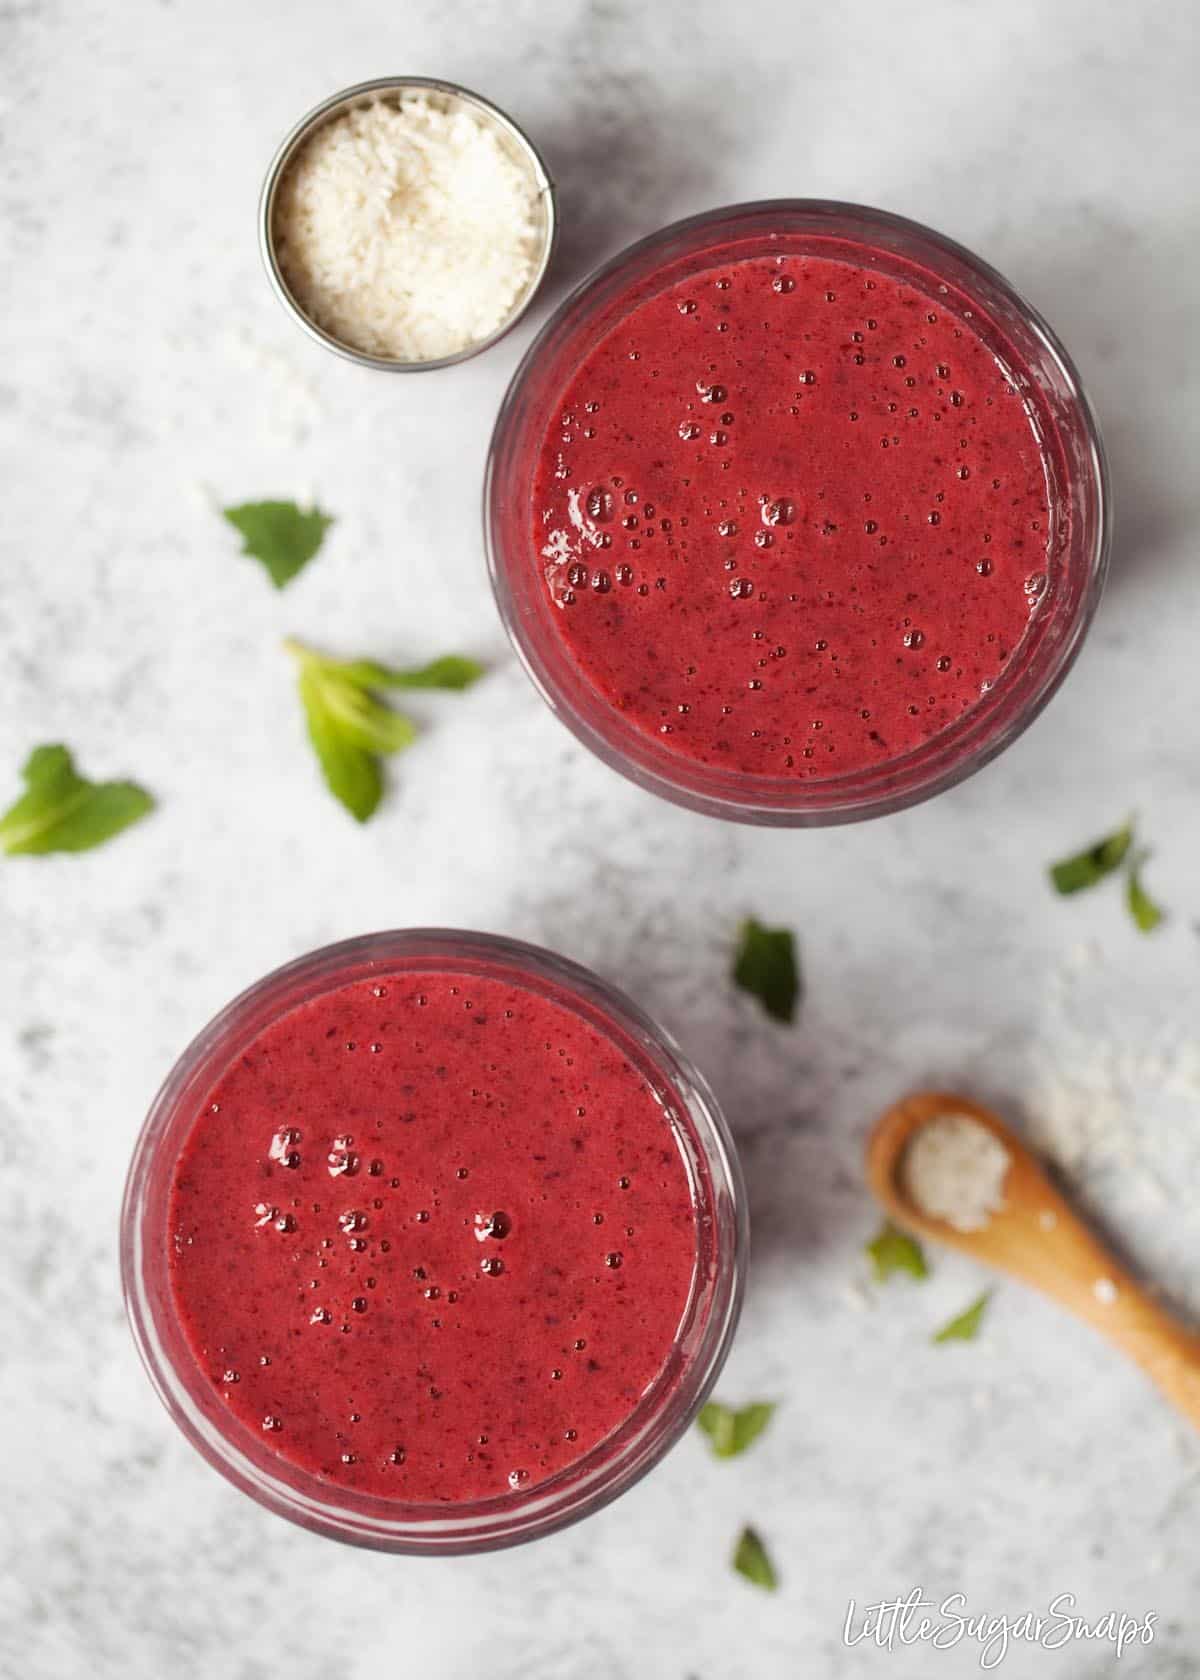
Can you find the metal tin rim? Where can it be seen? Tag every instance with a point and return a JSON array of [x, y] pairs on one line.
[[344, 100]]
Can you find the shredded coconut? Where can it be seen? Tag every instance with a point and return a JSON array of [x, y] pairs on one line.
[[1094, 1076], [954, 1169], [407, 229]]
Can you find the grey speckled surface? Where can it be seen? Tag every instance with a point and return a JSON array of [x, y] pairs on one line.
[[146, 370]]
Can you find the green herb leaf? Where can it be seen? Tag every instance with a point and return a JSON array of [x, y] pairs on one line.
[[1104, 857], [280, 534], [450, 671], [731, 1431], [893, 1250], [765, 966], [965, 1327], [1145, 912], [61, 811], [751, 1559], [349, 728]]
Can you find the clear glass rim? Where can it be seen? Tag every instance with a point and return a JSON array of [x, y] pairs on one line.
[[600, 1476], [948, 758]]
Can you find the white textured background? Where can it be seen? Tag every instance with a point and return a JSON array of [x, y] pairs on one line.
[[146, 375]]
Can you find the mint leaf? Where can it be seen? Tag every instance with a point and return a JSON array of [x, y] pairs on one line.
[[280, 534], [765, 966], [893, 1250], [1145, 912], [450, 671], [349, 728], [965, 1327], [61, 811], [751, 1559], [730, 1432], [1102, 858]]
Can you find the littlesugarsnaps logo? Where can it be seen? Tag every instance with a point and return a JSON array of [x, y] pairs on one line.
[[916, 1620]]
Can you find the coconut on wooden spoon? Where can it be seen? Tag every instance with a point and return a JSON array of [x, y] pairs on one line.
[[950, 1170]]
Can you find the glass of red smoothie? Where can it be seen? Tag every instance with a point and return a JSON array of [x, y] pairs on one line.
[[433, 1242], [797, 513]]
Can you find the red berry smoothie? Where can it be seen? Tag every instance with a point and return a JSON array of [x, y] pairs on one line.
[[794, 510], [431, 1236]]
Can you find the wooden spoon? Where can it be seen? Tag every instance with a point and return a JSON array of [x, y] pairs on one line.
[[1038, 1238]]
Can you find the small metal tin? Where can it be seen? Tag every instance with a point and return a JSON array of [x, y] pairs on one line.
[[365, 93]]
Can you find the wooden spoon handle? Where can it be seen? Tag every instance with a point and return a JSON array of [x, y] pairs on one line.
[[1179, 1380], [1075, 1269], [1167, 1352]]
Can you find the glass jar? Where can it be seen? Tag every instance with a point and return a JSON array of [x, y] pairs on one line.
[[1045, 381], [658, 1418]]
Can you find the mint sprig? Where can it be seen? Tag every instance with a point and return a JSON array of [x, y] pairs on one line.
[[751, 1559], [451, 671], [965, 1327], [351, 729], [61, 811], [1146, 913], [892, 1250], [281, 535], [730, 1431], [764, 965], [1102, 858]]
